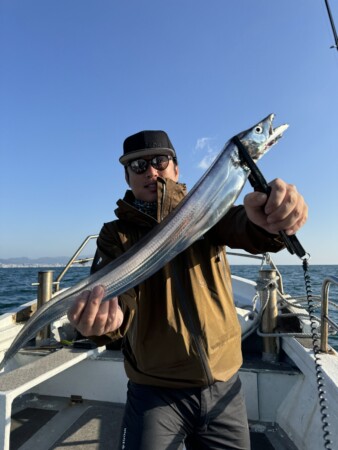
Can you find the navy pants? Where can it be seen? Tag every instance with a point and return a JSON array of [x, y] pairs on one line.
[[211, 417]]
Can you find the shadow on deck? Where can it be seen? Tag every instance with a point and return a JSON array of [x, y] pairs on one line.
[[44, 423]]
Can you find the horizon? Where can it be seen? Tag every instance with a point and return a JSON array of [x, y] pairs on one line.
[[31, 263]]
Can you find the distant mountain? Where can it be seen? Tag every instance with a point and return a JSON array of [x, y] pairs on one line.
[[46, 260]]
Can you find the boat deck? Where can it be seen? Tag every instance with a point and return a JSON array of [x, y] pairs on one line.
[[43, 423]]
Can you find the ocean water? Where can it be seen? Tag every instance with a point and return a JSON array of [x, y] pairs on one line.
[[16, 283]]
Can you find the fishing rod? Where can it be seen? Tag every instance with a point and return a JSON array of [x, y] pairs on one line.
[[335, 36]]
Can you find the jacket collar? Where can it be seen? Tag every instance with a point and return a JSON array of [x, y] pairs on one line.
[[169, 195]]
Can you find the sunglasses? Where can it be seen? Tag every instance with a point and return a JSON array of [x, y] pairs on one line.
[[159, 162]]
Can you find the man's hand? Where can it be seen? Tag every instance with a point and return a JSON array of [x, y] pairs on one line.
[[93, 318], [284, 209]]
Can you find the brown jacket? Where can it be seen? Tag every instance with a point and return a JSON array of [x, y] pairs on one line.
[[181, 328]]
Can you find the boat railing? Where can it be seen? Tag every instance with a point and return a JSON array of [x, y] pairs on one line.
[[326, 326], [325, 319], [265, 258], [74, 260]]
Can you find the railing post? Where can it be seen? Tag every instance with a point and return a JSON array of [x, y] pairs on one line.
[[45, 291], [324, 332], [268, 297]]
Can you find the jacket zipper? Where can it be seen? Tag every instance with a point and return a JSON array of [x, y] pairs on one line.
[[192, 329], [197, 340]]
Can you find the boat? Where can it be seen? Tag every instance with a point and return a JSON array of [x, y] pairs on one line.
[[63, 392]]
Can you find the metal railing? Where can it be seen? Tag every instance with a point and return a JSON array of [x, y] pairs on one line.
[[326, 325], [264, 258], [47, 287], [325, 320], [74, 260]]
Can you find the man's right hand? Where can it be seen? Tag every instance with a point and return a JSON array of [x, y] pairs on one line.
[[91, 317]]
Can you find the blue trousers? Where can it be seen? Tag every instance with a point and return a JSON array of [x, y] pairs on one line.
[[211, 417]]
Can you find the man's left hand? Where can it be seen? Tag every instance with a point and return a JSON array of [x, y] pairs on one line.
[[284, 209]]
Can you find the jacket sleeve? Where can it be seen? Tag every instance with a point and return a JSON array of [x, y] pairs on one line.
[[235, 230], [109, 247]]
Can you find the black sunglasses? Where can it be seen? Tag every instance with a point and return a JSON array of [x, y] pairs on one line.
[[159, 162]]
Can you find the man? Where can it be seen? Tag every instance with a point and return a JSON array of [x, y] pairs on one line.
[[181, 336]]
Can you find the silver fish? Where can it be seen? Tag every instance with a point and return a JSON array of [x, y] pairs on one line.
[[211, 197]]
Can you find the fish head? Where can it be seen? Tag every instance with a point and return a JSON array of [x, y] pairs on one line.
[[261, 137]]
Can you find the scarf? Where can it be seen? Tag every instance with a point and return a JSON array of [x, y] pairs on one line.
[[149, 208]]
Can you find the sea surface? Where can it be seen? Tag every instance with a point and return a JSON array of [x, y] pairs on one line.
[[16, 283]]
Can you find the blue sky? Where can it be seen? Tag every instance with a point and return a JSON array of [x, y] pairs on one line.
[[78, 76]]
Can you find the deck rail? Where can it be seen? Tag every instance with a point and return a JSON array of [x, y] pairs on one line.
[[265, 258], [325, 319], [326, 325], [73, 260]]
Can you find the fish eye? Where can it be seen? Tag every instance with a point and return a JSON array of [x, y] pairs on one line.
[[259, 129]]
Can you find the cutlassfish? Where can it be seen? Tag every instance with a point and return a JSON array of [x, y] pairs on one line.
[[211, 197]]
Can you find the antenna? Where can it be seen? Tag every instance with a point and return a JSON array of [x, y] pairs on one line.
[[332, 25]]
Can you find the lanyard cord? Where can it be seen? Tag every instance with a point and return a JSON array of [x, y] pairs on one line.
[[316, 351]]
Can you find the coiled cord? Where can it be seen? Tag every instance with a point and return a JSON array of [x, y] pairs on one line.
[[316, 351]]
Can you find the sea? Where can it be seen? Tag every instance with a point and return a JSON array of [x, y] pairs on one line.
[[16, 283]]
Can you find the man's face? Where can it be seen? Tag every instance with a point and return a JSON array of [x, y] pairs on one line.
[[144, 185]]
